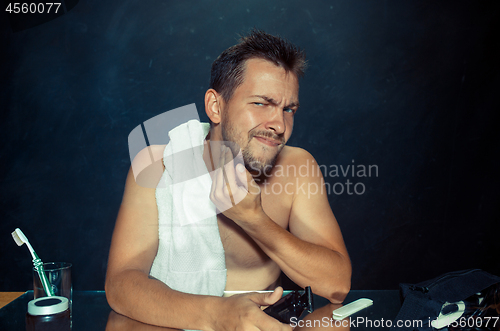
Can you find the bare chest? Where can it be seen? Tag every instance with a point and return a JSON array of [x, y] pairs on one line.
[[240, 249]]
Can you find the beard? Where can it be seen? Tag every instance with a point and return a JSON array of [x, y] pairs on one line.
[[257, 166]]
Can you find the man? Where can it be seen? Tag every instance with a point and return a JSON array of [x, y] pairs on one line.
[[269, 223]]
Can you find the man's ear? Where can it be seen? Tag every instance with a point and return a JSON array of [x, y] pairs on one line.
[[213, 105]]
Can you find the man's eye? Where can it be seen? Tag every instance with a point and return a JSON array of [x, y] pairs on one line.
[[258, 103], [289, 110]]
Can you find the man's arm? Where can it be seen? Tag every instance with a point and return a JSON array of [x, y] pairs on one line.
[[313, 253], [131, 292], [129, 289]]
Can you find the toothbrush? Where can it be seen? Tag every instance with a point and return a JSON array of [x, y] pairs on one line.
[[20, 240]]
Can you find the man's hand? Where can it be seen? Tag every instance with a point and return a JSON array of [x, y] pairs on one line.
[[243, 312], [234, 192]]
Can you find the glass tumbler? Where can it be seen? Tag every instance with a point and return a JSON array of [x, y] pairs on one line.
[[59, 278]]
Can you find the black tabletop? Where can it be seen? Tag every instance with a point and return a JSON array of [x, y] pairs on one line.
[[92, 312]]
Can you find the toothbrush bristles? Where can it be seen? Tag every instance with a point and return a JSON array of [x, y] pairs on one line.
[[17, 238]]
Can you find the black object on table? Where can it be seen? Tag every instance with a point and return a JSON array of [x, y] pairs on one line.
[[291, 305], [91, 310]]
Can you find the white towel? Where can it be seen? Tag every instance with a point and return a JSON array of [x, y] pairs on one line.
[[190, 255]]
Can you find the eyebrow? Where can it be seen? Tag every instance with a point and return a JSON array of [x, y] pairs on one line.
[[273, 102]]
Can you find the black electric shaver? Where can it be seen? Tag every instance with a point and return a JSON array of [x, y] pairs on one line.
[[291, 305]]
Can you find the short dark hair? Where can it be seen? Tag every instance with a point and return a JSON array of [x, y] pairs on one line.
[[229, 68]]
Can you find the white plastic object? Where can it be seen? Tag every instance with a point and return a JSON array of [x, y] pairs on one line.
[[351, 308], [230, 293], [47, 305]]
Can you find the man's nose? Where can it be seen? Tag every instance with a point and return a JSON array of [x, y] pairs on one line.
[[276, 121]]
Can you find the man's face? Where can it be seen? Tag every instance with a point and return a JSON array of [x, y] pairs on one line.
[[259, 116]]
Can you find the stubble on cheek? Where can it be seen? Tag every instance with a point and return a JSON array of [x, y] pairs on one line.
[[254, 164]]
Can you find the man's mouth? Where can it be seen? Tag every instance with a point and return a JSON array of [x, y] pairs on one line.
[[268, 141]]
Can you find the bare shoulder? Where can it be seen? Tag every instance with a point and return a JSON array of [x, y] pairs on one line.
[[147, 166], [297, 161], [294, 155]]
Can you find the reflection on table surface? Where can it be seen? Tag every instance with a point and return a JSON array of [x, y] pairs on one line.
[[320, 319], [92, 312]]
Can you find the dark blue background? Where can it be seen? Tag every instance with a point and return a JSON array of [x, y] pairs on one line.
[[409, 86]]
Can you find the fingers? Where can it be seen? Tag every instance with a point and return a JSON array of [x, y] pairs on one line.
[[229, 185], [270, 323], [238, 167], [267, 299], [245, 313], [273, 325], [266, 322], [276, 295], [236, 180]]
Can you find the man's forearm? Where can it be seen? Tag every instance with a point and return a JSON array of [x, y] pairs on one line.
[[327, 272], [132, 293]]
